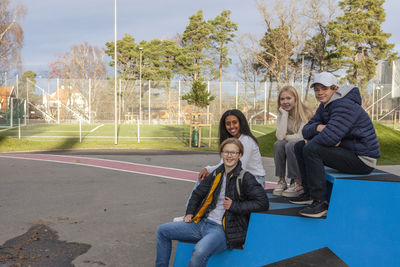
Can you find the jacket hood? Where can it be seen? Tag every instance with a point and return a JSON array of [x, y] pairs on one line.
[[348, 91]]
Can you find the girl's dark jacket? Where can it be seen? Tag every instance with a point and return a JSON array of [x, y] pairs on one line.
[[235, 220], [346, 122]]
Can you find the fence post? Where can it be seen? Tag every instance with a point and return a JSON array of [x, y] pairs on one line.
[[16, 83], [12, 111], [179, 102], [19, 128], [25, 112], [120, 102], [80, 131], [208, 106], [138, 129], [373, 102], [27, 101], [90, 100], [58, 100], [265, 103], [149, 102], [237, 94]]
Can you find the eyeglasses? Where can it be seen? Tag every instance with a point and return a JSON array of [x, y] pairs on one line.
[[230, 153]]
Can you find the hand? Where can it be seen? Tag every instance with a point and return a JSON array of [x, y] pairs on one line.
[[320, 127], [203, 174], [188, 218], [227, 203], [282, 110]]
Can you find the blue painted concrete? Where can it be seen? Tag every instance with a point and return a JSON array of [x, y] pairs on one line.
[[278, 206], [362, 228]]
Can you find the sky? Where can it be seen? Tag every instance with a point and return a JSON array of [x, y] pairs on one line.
[[52, 26]]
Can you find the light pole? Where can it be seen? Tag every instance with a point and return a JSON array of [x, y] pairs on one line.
[[140, 84], [115, 76]]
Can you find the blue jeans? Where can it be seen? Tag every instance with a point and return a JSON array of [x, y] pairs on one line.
[[210, 238], [312, 158]]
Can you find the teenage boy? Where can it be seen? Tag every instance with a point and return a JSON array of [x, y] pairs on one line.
[[340, 135]]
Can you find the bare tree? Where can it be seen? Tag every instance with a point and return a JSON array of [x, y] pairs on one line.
[[316, 53], [77, 66], [246, 47], [83, 61], [286, 31], [11, 35]]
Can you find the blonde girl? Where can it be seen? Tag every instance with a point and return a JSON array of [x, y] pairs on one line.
[[292, 116]]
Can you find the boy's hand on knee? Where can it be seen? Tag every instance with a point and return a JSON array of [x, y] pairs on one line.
[[188, 218]]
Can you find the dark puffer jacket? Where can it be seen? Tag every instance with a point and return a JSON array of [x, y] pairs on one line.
[[346, 122], [236, 219]]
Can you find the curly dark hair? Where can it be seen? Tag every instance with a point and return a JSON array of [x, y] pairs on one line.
[[244, 125]]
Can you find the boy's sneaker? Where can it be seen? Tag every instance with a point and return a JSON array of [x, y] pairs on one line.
[[282, 186], [317, 209], [294, 190], [303, 199], [178, 219]]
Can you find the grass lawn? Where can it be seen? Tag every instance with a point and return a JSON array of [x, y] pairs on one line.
[[389, 141]]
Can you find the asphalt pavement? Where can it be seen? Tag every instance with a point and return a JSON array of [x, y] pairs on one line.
[[112, 214]]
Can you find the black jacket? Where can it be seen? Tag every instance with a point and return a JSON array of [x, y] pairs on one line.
[[236, 219]]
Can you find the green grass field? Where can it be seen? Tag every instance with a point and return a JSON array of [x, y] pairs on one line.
[[66, 136], [389, 141], [128, 132]]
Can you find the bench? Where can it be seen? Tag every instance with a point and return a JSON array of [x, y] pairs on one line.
[[362, 228]]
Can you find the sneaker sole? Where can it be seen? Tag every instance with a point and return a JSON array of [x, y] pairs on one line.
[[278, 194], [292, 194], [316, 215], [304, 202]]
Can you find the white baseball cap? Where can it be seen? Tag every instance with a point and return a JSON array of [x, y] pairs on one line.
[[324, 78]]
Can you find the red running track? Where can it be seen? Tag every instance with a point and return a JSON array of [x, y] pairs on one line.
[[170, 173]]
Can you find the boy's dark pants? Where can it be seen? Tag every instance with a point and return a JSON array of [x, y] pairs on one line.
[[312, 157]]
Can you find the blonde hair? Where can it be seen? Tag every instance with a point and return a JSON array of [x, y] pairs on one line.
[[234, 141], [301, 113]]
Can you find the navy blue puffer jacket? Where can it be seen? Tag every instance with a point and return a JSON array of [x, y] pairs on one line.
[[346, 122]]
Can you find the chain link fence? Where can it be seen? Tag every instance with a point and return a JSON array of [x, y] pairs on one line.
[[152, 102]]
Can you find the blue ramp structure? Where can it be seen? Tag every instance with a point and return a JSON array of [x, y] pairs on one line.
[[362, 228]]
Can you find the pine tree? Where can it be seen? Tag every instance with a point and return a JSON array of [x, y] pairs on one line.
[[358, 39], [223, 29], [195, 41], [198, 95]]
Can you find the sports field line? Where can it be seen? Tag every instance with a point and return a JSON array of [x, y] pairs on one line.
[[106, 137], [258, 132], [56, 131], [91, 131]]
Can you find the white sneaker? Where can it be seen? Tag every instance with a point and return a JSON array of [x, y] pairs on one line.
[[280, 188], [178, 219], [294, 190]]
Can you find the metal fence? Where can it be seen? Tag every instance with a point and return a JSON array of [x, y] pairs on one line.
[[154, 102]]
